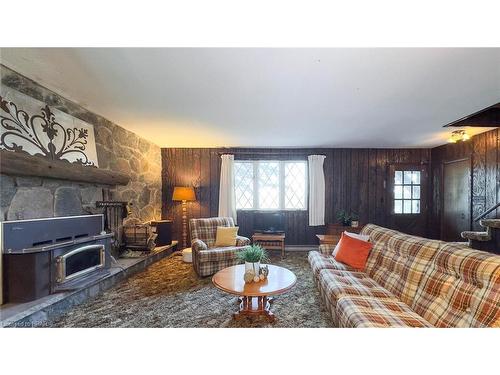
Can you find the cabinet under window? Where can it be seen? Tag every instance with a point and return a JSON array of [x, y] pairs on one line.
[[271, 184]]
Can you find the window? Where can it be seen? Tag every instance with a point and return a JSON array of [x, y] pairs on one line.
[[270, 185], [406, 192]]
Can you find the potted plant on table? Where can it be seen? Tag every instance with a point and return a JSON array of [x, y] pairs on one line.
[[344, 218], [253, 255]]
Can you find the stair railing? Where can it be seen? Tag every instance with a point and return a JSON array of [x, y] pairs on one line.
[[489, 210]]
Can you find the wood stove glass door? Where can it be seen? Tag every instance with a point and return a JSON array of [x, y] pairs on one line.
[[79, 262]]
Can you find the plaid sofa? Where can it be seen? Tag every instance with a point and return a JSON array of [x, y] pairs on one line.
[[410, 281], [208, 259]]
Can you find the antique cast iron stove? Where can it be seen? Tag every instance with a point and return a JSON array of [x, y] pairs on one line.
[[44, 256]]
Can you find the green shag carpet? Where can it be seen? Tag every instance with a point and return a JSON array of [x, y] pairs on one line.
[[169, 294]]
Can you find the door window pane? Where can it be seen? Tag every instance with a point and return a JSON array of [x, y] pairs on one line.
[[398, 192], [407, 177], [407, 192], [416, 192], [398, 206], [407, 207], [415, 207], [415, 177], [398, 178]]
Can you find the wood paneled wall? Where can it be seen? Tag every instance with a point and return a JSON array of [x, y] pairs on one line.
[[484, 153], [356, 181]]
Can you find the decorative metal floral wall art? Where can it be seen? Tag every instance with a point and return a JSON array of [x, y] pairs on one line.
[[42, 134]]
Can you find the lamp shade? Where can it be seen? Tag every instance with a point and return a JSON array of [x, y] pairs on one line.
[[183, 194]]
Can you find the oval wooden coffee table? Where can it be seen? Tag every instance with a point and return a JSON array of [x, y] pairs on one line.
[[254, 298]]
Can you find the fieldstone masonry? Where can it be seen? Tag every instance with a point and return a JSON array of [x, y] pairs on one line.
[[31, 203], [117, 149]]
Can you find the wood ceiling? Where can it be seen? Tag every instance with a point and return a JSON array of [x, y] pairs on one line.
[[488, 117]]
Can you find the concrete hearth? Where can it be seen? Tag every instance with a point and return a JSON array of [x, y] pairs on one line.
[[38, 313]]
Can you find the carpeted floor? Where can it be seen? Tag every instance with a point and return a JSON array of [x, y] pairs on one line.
[[169, 294]]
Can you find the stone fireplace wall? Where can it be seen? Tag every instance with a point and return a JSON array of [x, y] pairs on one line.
[[117, 149]]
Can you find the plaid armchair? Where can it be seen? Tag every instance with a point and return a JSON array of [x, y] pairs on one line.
[[208, 259]]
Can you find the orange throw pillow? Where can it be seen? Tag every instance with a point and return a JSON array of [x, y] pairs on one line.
[[353, 252]]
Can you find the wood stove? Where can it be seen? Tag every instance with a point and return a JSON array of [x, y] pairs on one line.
[[44, 256]]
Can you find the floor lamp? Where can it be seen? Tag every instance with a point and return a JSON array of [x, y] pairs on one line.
[[184, 194]]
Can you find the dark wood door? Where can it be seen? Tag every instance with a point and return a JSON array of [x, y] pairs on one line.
[[407, 197], [456, 199]]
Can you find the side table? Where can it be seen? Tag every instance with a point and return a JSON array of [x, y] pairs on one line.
[[334, 231], [270, 241]]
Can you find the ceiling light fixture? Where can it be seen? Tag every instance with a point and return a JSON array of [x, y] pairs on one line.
[[458, 136]]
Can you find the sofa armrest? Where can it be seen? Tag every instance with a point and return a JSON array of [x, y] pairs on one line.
[[242, 241], [326, 249], [197, 245]]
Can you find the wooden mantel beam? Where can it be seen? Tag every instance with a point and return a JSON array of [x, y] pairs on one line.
[[21, 164]]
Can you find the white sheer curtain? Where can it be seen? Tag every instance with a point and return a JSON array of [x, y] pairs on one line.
[[227, 199], [316, 190]]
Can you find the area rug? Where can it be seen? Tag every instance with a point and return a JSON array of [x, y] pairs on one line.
[[169, 294]]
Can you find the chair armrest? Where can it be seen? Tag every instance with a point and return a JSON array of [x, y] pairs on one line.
[[197, 245], [242, 241], [326, 249]]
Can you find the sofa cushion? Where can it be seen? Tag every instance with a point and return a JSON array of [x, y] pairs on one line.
[[377, 233], [361, 237], [226, 236], [326, 249], [461, 288], [399, 263], [334, 284], [218, 254], [353, 252], [320, 262], [363, 311]]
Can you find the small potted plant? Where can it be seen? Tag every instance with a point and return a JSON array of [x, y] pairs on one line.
[[354, 220], [253, 255], [344, 218]]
